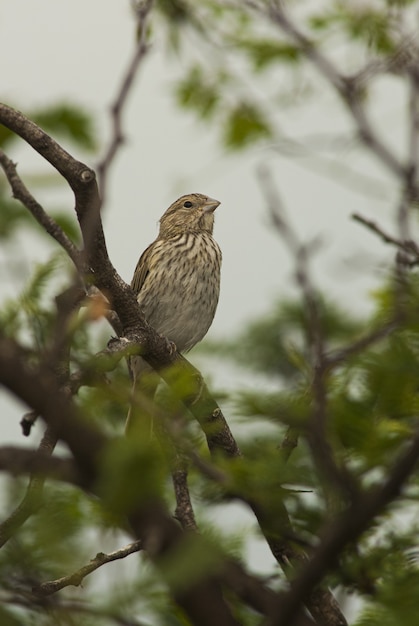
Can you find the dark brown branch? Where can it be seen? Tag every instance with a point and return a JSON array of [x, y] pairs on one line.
[[76, 578], [40, 390], [155, 348], [202, 600], [21, 193], [151, 521], [82, 181]]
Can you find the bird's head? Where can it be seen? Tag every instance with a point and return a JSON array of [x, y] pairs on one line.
[[191, 213]]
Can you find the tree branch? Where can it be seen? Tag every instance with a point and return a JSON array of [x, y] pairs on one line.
[[202, 599], [343, 530], [76, 578], [21, 193], [346, 87], [117, 139], [321, 450]]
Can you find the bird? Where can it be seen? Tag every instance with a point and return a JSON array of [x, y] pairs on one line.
[[177, 281]]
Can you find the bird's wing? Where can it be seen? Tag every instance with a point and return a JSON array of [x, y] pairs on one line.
[[142, 269]]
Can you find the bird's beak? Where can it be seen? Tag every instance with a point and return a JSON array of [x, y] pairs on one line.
[[210, 205]]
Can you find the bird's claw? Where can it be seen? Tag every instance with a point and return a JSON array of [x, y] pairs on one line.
[[171, 346]]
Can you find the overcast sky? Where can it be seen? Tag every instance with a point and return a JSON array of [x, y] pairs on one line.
[[76, 50]]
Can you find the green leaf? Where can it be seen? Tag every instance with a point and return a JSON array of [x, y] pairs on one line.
[[245, 124], [365, 24], [263, 52], [197, 92]]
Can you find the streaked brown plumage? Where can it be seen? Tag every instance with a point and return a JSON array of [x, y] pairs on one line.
[[177, 279]]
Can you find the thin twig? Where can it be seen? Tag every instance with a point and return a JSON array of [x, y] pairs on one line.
[[346, 87], [407, 246], [117, 138], [76, 578]]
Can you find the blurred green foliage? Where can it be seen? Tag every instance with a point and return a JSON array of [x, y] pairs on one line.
[[235, 69]]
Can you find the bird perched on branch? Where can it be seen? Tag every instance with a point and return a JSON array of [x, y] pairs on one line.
[[177, 279]]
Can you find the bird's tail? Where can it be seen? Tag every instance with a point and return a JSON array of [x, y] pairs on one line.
[[139, 421]]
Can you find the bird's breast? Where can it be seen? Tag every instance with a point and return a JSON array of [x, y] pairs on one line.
[[180, 294]]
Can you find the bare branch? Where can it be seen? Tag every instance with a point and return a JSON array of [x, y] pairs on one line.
[[40, 390], [76, 578], [117, 138], [409, 247], [83, 183]]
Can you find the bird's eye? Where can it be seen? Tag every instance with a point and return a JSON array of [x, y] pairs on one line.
[[187, 204]]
